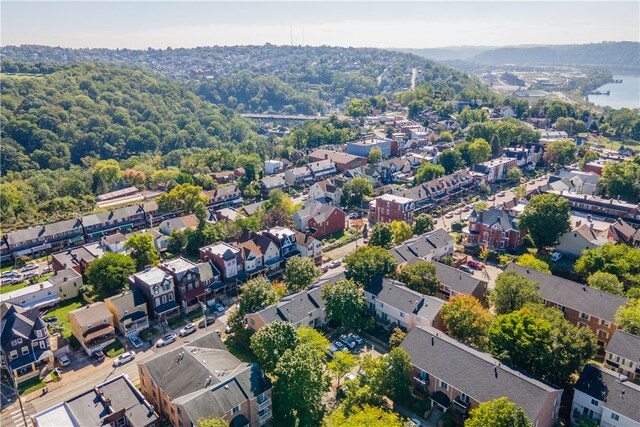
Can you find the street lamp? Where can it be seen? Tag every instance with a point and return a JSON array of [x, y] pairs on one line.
[[204, 313]]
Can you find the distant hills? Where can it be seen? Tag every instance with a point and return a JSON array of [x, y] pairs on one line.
[[613, 55]]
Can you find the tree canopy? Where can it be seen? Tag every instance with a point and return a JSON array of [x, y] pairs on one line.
[[420, 277], [109, 274], [423, 223], [368, 262], [467, 320], [142, 250], [546, 217], [513, 291], [271, 342], [628, 317], [498, 413], [344, 303], [381, 235], [299, 273]]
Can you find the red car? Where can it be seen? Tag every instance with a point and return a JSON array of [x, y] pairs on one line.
[[475, 264]]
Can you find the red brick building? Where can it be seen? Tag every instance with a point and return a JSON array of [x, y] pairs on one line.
[[343, 161], [494, 229], [319, 220], [387, 208]]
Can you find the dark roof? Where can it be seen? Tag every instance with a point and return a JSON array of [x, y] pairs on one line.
[[421, 246], [477, 374], [625, 345], [17, 322], [458, 280], [605, 385], [493, 216], [594, 302], [396, 295]]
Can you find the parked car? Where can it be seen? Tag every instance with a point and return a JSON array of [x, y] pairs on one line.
[[357, 338], [501, 194], [475, 264], [335, 264], [466, 269], [135, 341], [30, 267], [210, 321], [414, 423], [227, 329], [555, 257], [64, 360], [47, 269], [348, 341], [324, 268], [218, 308], [337, 346], [50, 319], [10, 273], [125, 357], [166, 340], [449, 215], [98, 355], [30, 274], [188, 329]]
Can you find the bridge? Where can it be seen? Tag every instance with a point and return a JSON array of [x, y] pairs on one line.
[[282, 117]]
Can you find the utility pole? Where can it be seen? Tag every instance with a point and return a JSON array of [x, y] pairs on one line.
[[15, 388]]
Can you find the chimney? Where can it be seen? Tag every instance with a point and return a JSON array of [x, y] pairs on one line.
[[326, 156], [495, 371], [578, 223]]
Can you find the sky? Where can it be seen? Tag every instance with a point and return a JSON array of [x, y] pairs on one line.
[[425, 24]]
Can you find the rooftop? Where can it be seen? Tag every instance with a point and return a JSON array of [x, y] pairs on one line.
[[625, 345], [618, 394]]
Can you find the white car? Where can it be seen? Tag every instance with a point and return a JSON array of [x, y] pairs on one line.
[[414, 423], [64, 360], [166, 340], [335, 264], [555, 257], [124, 358], [29, 267], [188, 329]]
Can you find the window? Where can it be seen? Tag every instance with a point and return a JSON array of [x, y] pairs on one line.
[[170, 297], [14, 343], [43, 345], [13, 354], [584, 316], [615, 416], [604, 323], [236, 409], [19, 340], [156, 290], [594, 402], [122, 422], [464, 398], [25, 350], [444, 385], [602, 334]]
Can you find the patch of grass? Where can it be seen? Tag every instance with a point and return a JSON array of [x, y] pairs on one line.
[[54, 376], [194, 315], [30, 385], [114, 349], [62, 313], [148, 334], [176, 322], [10, 288], [240, 349]]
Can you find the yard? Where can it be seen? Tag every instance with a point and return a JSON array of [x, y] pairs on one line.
[[62, 313], [9, 288], [115, 349], [30, 385]]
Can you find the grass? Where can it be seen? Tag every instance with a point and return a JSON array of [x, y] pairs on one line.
[[10, 288], [30, 385], [62, 313], [115, 349], [148, 334], [176, 322]]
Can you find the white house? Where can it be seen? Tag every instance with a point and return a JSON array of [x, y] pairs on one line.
[[273, 166], [326, 191]]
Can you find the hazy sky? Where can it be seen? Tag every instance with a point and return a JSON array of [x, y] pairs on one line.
[[160, 24]]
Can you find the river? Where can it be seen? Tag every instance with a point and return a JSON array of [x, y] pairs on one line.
[[623, 95]]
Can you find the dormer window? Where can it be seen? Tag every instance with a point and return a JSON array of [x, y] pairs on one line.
[[156, 290]]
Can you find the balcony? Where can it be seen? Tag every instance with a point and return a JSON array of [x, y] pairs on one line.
[[264, 416], [461, 406], [265, 403]]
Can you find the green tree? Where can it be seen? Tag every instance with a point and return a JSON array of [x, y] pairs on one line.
[[271, 341], [381, 235], [514, 174], [467, 320], [497, 413], [355, 191], [562, 152], [528, 260], [451, 161], [212, 422], [420, 277], [360, 393], [105, 174], [394, 381], [344, 303], [513, 291], [589, 156], [182, 198], [109, 274], [300, 273], [479, 151], [396, 338], [375, 155], [423, 223], [428, 171], [628, 317], [277, 216], [367, 262], [311, 337], [401, 232], [341, 364], [620, 179], [621, 260], [301, 383], [606, 282], [255, 295], [370, 416], [142, 250], [546, 217], [277, 199], [445, 136]]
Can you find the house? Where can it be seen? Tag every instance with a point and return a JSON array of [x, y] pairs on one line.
[[368, 172], [65, 282], [622, 232], [441, 190], [525, 156], [269, 249], [454, 281], [251, 209], [496, 169], [364, 146], [227, 214], [395, 305], [203, 380], [431, 246], [77, 258], [575, 181], [298, 176], [583, 306], [309, 247], [223, 177], [458, 377], [326, 191], [389, 207], [225, 195], [581, 238], [157, 286], [92, 325], [606, 397], [190, 292], [270, 183], [322, 169], [285, 240], [45, 294], [494, 229], [596, 166], [24, 336], [115, 402], [225, 257], [272, 167], [129, 310], [160, 240], [108, 222], [210, 278], [343, 161], [598, 206], [43, 239], [319, 219], [114, 242], [552, 135], [178, 223], [623, 354], [252, 258]]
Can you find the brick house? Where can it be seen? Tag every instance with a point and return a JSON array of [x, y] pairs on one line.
[[319, 219], [343, 161], [494, 229], [388, 208], [226, 258]]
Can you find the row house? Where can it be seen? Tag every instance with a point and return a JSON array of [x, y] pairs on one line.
[[343, 161], [223, 177], [396, 169], [390, 207], [123, 219], [431, 246], [496, 169], [178, 223], [93, 326], [454, 281], [77, 258], [574, 181], [623, 354], [456, 377], [298, 176], [526, 157], [226, 258], [313, 171], [441, 190], [395, 305], [582, 305], [605, 398], [583, 237], [189, 290], [598, 206], [202, 379], [225, 195], [309, 247], [493, 229], [258, 254], [25, 349], [270, 183], [158, 288], [129, 310], [285, 239], [623, 232], [319, 220], [326, 191]]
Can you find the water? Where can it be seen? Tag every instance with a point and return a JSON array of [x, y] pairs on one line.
[[623, 95]]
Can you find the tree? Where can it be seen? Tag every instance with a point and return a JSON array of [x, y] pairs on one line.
[[445, 136], [301, 383], [277, 216], [420, 277], [212, 422], [520, 192], [401, 232], [451, 161], [142, 250], [620, 179], [182, 198], [479, 151], [375, 155], [620, 260], [428, 171], [589, 156], [513, 291], [368, 262], [370, 416], [109, 274], [381, 235], [423, 223], [496, 147], [514, 174], [354, 192], [341, 364], [271, 342], [497, 413], [528, 260], [466, 319], [546, 217], [628, 317], [105, 174], [396, 338], [277, 199], [605, 282], [177, 242], [135, 178], [344, 303], [310, 337], [299, 274], [562, 152], [394, 381], [255, 294]]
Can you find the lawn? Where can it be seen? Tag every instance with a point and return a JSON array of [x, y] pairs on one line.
[[240, 349], [30, 385], [176, 322], [10, 288], [62, 313], [115, 349]]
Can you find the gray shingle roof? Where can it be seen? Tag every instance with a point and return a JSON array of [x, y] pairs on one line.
[[395, 294], [477, 374], [594, 302], [87, 314], [603, 384], [625, 345], [421, 246], [458, 280], [493, 216]]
